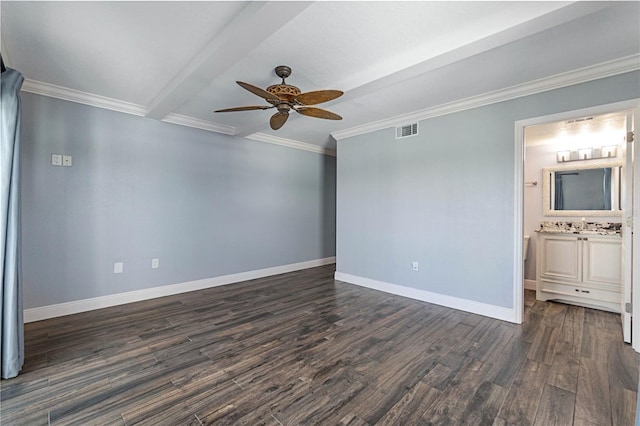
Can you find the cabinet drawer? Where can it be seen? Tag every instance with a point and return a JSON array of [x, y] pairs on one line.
[[579, 291]]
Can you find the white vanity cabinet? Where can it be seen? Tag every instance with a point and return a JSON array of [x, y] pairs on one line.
[[582, 269]]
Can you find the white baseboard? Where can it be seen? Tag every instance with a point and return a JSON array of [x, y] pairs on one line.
[[492, 311], [76, 306], [530, 284]]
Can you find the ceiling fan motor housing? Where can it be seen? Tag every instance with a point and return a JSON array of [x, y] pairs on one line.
[[286, 92]]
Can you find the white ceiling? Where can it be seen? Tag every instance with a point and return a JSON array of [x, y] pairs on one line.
[[606, 129], [178, 61]]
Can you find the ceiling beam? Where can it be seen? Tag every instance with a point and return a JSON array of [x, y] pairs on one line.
[[372, 79], [358, 85], [255, 23]]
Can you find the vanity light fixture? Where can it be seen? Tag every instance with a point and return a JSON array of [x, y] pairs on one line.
[[608, 151], [587, 154]]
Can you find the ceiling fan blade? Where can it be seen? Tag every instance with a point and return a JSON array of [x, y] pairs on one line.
[[258, 91], [244, 108], [278, 119], [318, 97], [318, 113]]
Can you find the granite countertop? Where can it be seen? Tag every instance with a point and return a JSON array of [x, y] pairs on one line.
[[573, 231], [581, 227]]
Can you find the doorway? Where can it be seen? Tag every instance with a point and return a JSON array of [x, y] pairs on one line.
[[538, 141]]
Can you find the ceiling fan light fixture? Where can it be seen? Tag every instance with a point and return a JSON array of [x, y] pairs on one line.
[[283, 108]]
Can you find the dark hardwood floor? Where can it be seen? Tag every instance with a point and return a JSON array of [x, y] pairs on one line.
[[301, 348]]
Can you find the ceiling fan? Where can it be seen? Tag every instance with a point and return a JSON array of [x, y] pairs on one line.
[[285, 98]]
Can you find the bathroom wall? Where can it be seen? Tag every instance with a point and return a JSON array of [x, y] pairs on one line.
[[542, 155]]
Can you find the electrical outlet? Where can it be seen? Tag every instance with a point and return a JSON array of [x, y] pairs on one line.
[[56, 159], [415, 266], [155, 263], [118, 268]]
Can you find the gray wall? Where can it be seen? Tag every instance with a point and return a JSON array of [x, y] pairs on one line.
[[205, 204], [445, 198]]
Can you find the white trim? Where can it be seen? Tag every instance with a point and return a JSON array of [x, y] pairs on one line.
[[635, 243], [594, 72], [76, 306], [518, 198], [568, 115], [66, 94], [183, 120], [276, 140], [530, 284], [582, 75], [492, 311], [59, 92]]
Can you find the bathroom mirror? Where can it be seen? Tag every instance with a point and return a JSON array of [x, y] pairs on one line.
[[582, 190]]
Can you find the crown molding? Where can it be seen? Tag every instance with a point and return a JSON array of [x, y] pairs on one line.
[[183, 120], [276, 140], [581, 75], [64, 93]]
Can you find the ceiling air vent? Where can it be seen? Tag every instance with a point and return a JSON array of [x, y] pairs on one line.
[[406, 131]]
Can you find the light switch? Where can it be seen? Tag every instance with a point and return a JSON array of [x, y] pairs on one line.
[[118, 267], [67, 160], [56, 159]]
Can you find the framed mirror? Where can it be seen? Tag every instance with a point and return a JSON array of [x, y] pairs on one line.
[[582, 190]]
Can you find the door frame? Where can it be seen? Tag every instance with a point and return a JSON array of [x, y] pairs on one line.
[[519, 159], [635, 239]]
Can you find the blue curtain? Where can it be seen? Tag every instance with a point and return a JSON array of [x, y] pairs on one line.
[[559, 201], [11, 318], [607, 188]]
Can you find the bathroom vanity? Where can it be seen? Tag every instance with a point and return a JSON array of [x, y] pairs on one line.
[[580, 267]]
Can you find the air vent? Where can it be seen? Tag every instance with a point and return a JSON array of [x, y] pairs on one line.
[[406, 131], [577, 120]]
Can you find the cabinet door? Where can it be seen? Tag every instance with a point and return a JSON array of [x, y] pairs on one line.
[[602, 261], [560, 258]]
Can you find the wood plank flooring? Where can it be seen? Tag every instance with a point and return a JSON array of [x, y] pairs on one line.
[[301, 348]]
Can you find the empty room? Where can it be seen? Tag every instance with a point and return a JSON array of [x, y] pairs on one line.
[[320, 213]]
